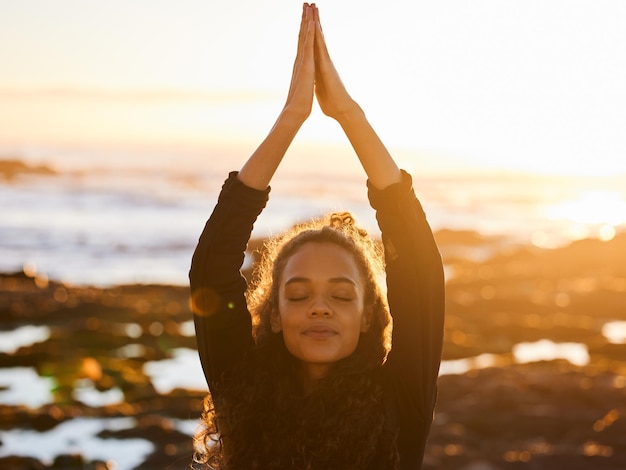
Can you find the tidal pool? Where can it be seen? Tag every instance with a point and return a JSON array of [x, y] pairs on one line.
[[79, 436], [546, 350], [11, 341], [542, 350], [615, 332], [23, 386], [183, 370]]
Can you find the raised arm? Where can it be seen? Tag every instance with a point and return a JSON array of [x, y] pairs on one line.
[[223, 323], [261, 166], [336, 102]]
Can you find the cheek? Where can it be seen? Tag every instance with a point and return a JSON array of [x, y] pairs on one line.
[[289, 316], [354, 325]]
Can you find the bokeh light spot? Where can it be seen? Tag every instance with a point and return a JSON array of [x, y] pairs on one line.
[[91, 369], [156, 328], [592, 449], [488, 292], [133, 330], [562, 299], [61, 295], [607, 233], [204, 302]]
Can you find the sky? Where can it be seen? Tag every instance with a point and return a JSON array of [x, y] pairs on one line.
[[487, 85]]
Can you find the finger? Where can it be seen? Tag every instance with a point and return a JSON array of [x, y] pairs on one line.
[[320, 41], [308, 48], [304, 66], [310, 38], [305, 8], [308, 43], [306, 14], [321, 51]]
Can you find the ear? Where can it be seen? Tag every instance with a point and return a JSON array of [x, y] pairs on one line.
[[275, 322], [366, 319]]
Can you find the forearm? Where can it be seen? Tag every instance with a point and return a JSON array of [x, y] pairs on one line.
[[378, 164], [257, 172]]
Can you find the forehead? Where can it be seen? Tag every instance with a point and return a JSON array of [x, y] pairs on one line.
[[321, 261]]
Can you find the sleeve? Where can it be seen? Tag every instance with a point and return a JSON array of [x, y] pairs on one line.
[[415, 291], [222, 320]]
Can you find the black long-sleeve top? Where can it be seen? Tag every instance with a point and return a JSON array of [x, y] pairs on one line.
[[415, 291]]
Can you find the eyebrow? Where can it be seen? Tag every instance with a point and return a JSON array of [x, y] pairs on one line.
[[332, 280]]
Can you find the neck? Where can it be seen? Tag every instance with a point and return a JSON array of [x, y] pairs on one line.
[[313, 373]]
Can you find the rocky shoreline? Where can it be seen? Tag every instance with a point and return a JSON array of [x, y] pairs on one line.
[[12, 168], [539, 415]]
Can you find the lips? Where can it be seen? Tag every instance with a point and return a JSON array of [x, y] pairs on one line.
[[319, 332]]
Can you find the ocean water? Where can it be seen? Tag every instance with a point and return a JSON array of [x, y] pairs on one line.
[[111, 216]]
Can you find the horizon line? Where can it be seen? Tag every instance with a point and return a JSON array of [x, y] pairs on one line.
[[138, 94]]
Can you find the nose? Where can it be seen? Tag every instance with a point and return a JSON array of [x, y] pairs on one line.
[[320, 308]]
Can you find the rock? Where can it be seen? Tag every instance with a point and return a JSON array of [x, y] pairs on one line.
[[9, 169], [67, 461], [21, 463]]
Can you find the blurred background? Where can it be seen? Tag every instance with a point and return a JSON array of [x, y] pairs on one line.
[[120, 120]]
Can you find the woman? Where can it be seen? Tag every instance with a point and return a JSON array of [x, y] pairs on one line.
[[314, 386]]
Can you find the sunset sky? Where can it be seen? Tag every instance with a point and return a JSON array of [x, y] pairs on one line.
[[529, 85]]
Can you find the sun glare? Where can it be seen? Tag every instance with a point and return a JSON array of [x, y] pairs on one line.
[[606, 209]]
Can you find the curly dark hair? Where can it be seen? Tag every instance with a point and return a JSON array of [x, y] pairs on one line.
[[264, 418]]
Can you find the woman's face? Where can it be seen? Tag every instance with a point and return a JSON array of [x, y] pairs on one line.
[[320, 306]]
